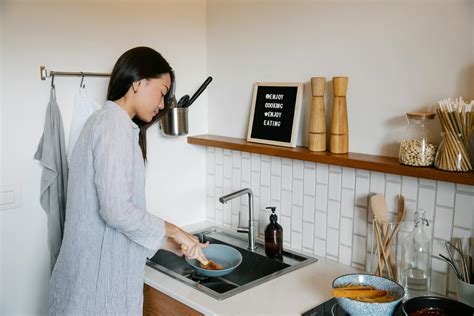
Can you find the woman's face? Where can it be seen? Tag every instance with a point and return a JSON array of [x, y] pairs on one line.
[[149, 99]]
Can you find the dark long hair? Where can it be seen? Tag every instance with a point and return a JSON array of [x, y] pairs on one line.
[[136, 64]]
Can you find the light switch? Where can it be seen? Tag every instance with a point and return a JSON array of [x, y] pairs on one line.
[[10, 197]]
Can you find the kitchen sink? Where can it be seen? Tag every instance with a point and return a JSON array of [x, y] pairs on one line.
[[256, 268]]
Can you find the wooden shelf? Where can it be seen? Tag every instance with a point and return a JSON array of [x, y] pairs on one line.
[[351, 160]]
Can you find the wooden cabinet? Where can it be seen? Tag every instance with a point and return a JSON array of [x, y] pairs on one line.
[[156, 303]]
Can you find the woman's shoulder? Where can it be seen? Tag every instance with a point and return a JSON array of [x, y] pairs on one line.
[[111, 116]]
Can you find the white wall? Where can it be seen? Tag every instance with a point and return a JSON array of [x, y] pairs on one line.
[[90, 36], [400, 56]]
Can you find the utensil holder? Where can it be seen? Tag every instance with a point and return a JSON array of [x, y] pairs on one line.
[[175, 122], [465, 292], [383, 260]]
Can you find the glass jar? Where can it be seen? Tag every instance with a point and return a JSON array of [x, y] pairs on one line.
[[415, 266], [416, 147], [453, 153]]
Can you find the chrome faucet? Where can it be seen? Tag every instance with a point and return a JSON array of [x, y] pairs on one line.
[[251, 229]]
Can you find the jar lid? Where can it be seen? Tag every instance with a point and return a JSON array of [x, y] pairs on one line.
[[421, 115]]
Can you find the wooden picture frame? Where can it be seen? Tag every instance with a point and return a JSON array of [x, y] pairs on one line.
[[275, 113]]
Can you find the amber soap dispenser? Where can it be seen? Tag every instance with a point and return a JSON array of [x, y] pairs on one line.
[[273, 236]]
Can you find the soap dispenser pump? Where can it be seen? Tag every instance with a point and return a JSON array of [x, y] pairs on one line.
[[273, 236]]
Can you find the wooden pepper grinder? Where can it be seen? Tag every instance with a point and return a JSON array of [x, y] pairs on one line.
[[339, 137], [317, 123]]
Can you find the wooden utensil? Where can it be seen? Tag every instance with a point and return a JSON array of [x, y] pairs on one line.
[[379, 208], [339, 136], [317, 124], [388, 245]]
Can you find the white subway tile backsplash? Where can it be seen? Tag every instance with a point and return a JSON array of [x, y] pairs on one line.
[[323, 208], [363, 173], [219, 176], [377, 182], [266, 158], [361, 191], [409, 187], [308, 208], [346, 231], [227, 187], [264, 197], [445, 194], [298, 167], [255, 183], [426, 201], [210, 209], [227, 219], [297, 218], [286, 177], [285, 222], [332, 242], [275, 166], [210, 185], [443, 223], [334, 186], [320, 247], [333, 214], [347, 203], [236, 159], [219, 156], [275, 187], [321, 197], [359, 250], [236, 179], [309, 181], [286, 203], [210, 161], [345, 254], [255, 162], [463, 210], [333, 168], [439, 265], [392, 193], [219, 217], [393, 177], [308, 235], [320, 225], [348, 178], [465, 188], [265, 174], [322, 173], [245, 176], [360, 221], [228, 166], [438, 283], [297, 196], [296, 240], [427, 182]]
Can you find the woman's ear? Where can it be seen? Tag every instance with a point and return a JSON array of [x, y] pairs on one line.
[[135, 86]]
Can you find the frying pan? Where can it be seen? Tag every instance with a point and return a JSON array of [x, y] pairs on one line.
[[449, 307], [227, 257]]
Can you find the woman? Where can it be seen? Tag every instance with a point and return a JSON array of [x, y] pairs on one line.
[[108, 233]]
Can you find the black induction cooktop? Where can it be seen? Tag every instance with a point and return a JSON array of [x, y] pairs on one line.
[[331, 308]]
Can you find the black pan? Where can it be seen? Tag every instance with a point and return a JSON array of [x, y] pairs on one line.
[[448, 306]]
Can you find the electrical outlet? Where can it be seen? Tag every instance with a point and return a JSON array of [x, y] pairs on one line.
[[10, 197]]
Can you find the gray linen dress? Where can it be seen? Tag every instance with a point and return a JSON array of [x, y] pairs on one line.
[[108, 233]]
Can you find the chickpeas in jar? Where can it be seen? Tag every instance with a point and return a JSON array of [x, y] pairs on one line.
[[416, 147]]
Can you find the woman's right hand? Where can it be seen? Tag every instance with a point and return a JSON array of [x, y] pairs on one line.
[[188, 243]]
